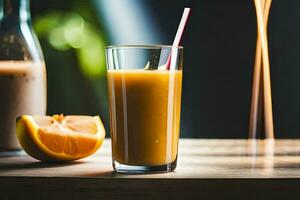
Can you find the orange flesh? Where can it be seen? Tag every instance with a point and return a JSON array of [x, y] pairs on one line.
[[67, 135]]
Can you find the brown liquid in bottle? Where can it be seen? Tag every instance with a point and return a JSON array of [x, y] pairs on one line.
[[22, 91]]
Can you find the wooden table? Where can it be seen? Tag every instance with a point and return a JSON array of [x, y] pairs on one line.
[[207, 169]]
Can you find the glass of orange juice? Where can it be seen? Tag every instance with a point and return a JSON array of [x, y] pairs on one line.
[[144, 85]]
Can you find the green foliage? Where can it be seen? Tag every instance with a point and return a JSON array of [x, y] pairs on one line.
[[68, 31]]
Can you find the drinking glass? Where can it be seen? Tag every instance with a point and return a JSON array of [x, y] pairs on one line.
[[144, 85]]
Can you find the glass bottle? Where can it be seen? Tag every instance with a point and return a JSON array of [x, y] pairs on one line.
[[22, 70]]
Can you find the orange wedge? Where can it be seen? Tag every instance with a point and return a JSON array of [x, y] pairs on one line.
[[58, 137]]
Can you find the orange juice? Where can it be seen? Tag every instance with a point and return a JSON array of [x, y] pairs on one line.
[[145, 115]]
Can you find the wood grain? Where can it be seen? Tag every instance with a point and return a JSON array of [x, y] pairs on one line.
[[210, 169]]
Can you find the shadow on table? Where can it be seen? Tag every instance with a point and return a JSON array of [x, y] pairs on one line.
[[37, 164], [101, 174]]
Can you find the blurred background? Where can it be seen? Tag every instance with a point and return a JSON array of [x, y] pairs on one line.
[[219, 45]]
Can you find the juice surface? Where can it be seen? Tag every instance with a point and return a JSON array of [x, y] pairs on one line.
[[145, 115]]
